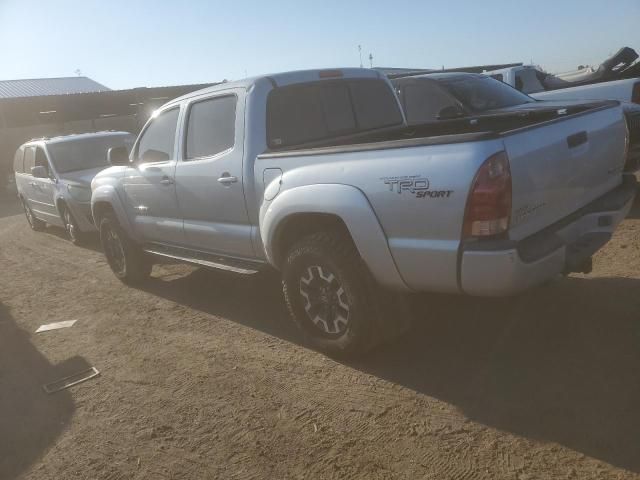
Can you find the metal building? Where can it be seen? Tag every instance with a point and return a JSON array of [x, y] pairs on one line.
[[60, 106]]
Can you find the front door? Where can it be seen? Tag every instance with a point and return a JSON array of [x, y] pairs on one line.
[[150, 182], [42, 190], [209, 179]]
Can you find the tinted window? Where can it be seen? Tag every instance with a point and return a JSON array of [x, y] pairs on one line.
[[18, 166], [158, 139], [86, 153], [481, 93], [211, 127], [376, 105], [29, 159], [527, 81], [41, 159], [304, 113], [423, 100], [338, 111]]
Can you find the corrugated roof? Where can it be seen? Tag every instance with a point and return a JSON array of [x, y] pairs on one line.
[[39, 87]]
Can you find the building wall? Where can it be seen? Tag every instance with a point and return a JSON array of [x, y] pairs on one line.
[[22, 119]]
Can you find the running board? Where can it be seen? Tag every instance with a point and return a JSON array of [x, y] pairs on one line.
[[204, 259]]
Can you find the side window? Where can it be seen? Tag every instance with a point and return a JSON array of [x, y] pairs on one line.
[[375, 104], [158, 139], [211, 127], [424, 101], [29, 159], [18, 166], [41, 160]]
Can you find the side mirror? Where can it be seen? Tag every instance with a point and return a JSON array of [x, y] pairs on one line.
[[450, 112], [39, 172], [118, 156]]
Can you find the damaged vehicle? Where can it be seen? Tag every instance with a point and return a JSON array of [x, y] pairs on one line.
[[445, 97], [53, 178], [615, 79], [317, 175]]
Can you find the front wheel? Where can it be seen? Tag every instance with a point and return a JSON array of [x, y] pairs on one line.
[[330, 294], [35, 224], [71, 226], [127, 261]]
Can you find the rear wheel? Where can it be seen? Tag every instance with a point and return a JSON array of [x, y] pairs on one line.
[[127, 261], [332, 297], [71, 226], [34, 223]]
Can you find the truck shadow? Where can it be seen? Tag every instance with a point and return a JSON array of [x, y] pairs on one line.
[[91, 241], [634, 213], [558, 364], [30, 420], [9, 205]]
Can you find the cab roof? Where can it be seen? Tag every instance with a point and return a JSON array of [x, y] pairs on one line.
[[284, 79]]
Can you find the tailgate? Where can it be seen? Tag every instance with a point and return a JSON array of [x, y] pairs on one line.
[[560, 166]]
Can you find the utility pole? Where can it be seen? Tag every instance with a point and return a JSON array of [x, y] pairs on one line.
[[371, 60], [360, 53]]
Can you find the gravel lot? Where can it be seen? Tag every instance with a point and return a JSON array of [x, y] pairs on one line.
[[204, 377]]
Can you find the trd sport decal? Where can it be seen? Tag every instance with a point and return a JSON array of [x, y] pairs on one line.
[[416, 185]]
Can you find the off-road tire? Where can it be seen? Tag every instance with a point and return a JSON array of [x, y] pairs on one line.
[[126, 259], [372, 313]]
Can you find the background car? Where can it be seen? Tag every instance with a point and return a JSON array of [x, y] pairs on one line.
[[53, 178]]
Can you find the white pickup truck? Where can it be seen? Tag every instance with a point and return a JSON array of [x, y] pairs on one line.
[[531, 80], [316, 174]]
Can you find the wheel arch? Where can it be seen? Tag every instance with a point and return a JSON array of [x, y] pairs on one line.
[[105, 199], [299, 211]]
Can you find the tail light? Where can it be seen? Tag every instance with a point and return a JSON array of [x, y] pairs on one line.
[[635, 94], [489, 204]]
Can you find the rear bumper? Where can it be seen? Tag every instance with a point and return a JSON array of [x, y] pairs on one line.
[[505, 267]]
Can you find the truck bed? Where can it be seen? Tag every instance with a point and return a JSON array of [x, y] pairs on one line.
[[468, 129]]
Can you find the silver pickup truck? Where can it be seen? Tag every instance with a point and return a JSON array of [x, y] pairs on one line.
[[317, 174]]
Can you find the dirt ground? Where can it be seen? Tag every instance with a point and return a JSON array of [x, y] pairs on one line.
[[202, 376]]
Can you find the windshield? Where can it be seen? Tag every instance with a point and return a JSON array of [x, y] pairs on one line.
[[84, 154], [479, 94]]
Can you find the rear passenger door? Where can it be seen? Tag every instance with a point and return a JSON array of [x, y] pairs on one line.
[[209, 179]]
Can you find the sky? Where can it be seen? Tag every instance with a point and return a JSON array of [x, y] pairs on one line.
[[135, 43]]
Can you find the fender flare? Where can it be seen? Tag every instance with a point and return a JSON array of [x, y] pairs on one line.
[[352, 207], [108, 194]]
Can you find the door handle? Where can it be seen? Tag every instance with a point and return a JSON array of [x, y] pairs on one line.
[[166, 181], [227, 179]]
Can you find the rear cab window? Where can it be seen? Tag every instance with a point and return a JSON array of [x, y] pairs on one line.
[[312, 112]]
